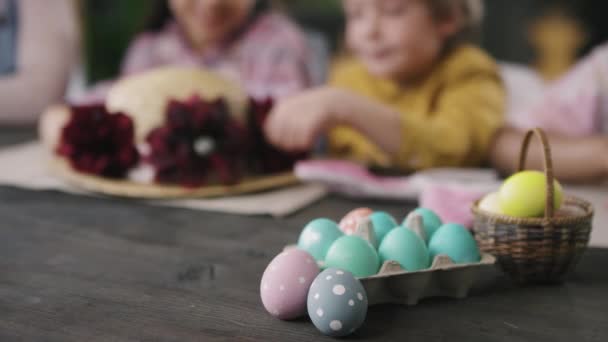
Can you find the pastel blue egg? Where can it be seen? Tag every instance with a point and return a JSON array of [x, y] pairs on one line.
[[405, 247], [317, 236], [337, 302], [353, 254], [455, 241], [431, 222], [383, 223]]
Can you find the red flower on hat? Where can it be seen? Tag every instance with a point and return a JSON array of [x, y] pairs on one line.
[[97, 142], [199, 141]]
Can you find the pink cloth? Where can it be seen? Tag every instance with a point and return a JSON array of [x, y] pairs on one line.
[[270, 59], [577, 104]]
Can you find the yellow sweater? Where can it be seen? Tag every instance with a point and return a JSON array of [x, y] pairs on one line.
[[448, 119]]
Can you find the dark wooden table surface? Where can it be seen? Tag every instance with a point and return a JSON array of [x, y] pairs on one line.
[[93, 269]]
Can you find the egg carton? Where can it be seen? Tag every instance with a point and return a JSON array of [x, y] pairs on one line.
[[393, 284], [443, 279]]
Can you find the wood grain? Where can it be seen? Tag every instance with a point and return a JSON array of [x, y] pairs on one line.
[[75, 268]]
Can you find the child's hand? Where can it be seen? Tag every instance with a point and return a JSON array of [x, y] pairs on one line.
[[295, 123]]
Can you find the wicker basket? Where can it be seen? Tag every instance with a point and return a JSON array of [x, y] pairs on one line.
[[536, 250]]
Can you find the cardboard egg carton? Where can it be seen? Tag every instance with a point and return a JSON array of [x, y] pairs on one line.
[[443, 279], [393, 284]]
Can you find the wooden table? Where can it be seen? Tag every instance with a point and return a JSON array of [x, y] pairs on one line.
[[92, 269]]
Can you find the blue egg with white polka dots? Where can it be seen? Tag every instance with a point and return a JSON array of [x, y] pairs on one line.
[[337, 302]]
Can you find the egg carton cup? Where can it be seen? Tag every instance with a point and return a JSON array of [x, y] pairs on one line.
[[444, 278], [393, 284]]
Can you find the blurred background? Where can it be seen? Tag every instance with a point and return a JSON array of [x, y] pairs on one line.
[[547, 35]]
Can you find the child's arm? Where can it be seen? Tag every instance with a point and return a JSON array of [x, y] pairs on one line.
[[458, 131], [47, 47], [460, 128], [297, 121], [574, 159], [462, 108]]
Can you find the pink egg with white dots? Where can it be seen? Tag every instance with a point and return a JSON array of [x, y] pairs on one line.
[[285, 283], [348, 224]]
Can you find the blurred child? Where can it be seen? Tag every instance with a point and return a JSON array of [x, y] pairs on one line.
[[415, 95], [574, 111], [242, 39]]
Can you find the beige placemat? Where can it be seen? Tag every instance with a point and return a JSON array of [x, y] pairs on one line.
[[27, 166]]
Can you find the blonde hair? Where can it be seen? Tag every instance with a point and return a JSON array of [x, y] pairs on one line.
[[471, 11]]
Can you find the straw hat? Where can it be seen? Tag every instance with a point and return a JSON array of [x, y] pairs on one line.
[[144, 98]]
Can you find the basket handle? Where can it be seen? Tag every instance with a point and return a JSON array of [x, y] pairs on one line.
[[548, 165]]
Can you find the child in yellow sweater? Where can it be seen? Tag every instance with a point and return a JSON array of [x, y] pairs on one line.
[[416, 94]]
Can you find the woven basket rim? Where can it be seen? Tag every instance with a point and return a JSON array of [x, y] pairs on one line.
[[540, 221]]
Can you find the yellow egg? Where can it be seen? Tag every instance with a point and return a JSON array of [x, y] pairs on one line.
[[524, 193]]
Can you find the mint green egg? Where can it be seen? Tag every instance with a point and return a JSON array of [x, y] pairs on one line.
[[383, 223], [353, 254], [431, 222], [317, 236], [405, 247], [455, 241]]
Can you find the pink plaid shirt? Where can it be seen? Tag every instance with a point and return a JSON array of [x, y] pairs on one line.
[[270, 59], [577, 104]]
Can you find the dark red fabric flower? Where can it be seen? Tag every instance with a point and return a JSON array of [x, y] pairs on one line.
[[97, 142], [267, 158], [198, 142]]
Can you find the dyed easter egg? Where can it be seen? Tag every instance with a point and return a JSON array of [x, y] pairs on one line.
[[490, 203], [456, 242], [337, 302], [430, 221], [382, 223], [348, 224], [317, 236], [405, 247], [353, 254], [524, 193], [285, 283]]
